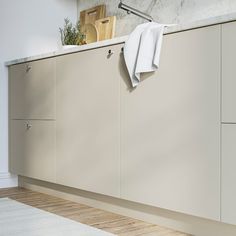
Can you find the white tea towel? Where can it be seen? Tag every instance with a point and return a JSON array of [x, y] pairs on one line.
[[142, 50]]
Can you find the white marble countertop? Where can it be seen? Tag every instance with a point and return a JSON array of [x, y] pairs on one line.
[[118, 40], [69, 50]]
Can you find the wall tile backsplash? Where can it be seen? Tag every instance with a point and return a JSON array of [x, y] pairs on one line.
[[163, 11]]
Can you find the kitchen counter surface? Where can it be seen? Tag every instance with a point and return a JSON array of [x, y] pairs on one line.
[[118, 40]]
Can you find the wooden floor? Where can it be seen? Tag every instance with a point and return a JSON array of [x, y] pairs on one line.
[[110, 222]]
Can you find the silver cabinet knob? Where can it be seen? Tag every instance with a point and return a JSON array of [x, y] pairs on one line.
[[28, 126], [28, 68]]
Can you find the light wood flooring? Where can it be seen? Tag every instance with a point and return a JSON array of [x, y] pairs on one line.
[[110, 222]]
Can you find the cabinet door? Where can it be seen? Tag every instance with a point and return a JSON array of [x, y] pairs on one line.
[[228, 194], [170, 128], [32, 90], [32, 149], [229, 72], [88, 120]]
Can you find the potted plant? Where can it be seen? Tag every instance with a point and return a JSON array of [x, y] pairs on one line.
[[71, 35]]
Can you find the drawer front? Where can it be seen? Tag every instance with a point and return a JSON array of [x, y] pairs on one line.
[[229, 72], [228, 194], [32, 149], [32, 90]]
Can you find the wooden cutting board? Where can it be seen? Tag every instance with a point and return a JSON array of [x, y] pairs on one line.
[[91, 33], [89, 16], [106, 27]]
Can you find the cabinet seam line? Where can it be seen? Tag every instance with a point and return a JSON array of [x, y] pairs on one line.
[[220, 168]]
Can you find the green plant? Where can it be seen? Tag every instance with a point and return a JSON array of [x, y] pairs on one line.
[[71, 35]]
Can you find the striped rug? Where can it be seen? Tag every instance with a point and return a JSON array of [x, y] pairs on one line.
[[18, 219]]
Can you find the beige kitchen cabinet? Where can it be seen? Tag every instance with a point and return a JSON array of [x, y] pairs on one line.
[[157, 144], [32, 90], [88, 122], [170, 128], [228, 189], [32, 149], [229, 72]]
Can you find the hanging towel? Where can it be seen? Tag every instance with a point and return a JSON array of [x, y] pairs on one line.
[[142, 50]]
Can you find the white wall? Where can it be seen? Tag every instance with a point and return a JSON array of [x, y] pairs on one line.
[[28, 27]]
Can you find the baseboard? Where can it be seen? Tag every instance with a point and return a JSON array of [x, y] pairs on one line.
[[7, 180], [177, 221]]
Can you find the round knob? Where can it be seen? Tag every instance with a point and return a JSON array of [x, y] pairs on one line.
[[28, 126], [110, 52], [28, 68]]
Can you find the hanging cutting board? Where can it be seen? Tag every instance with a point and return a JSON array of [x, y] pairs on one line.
[[90, 15], [106, 27]]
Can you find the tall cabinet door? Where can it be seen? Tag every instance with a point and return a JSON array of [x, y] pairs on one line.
[[170, 128], [229, 72], [88, 128], [228, 194]]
